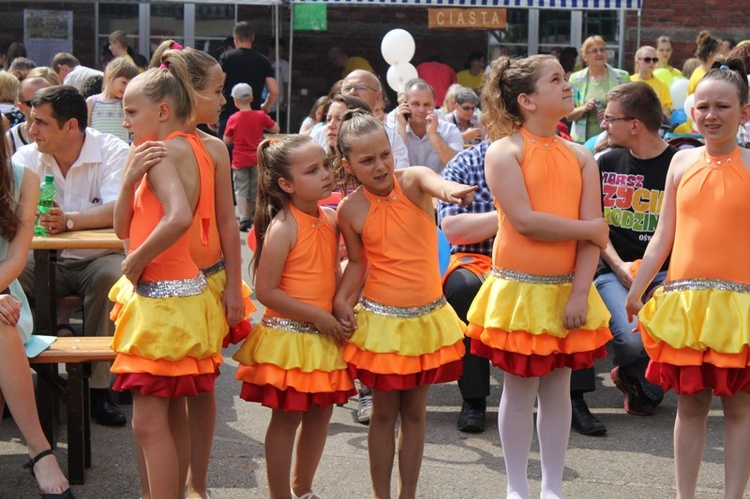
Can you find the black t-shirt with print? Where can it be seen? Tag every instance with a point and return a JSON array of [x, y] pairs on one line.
[[632, 195]]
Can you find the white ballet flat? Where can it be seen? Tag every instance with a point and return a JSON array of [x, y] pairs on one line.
[[307, 495]]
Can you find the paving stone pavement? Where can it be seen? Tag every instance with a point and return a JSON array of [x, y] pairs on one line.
[[634, 459]]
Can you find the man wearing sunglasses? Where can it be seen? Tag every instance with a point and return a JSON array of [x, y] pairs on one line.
[[633, 177], [18, 135]]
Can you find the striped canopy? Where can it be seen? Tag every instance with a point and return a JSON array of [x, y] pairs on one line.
[[510, 4]]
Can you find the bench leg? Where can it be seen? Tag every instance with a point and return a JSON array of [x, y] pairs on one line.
[[76, 424], [47, 403], [87, 413]]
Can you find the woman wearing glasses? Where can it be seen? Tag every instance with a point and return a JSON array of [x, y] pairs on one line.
[[590, 87], [466, 117], [645, 63]]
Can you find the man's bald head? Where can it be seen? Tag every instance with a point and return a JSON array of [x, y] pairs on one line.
[[363, 84], [29, 86]]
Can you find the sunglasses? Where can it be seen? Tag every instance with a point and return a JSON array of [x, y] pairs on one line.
[[469, 108], [600, 50], [26, 103], [649, 60]]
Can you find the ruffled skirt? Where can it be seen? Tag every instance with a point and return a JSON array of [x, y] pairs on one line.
[[697, 334], [391, 352], [518, 325], [168, 346], [217, 283], [292, 368]]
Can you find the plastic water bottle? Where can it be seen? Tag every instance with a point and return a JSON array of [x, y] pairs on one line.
[[47, 193]]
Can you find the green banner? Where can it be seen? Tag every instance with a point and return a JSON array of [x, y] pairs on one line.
[[310, 17]]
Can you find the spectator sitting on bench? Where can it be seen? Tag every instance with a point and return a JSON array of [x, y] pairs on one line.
[[87, 166]]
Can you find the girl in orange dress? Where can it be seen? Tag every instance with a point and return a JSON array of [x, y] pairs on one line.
[[292, 361], [538, 316], [407, 336], [168, 326], [696, 328], [220, 259]]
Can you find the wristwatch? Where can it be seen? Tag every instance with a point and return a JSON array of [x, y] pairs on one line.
[[69, 222]]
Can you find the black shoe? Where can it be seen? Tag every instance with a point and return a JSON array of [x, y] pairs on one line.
[[245, 225], [584, 422], [104, 411], [637, 402], [66, 494], [472, 418]]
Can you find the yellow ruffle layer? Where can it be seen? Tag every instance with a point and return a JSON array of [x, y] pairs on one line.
[[217, 283], [409, 337], [536, 309], [306, 352], [303, 382], [165, 328], [694, 326]]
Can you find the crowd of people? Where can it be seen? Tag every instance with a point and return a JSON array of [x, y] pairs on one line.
[[556, 256]]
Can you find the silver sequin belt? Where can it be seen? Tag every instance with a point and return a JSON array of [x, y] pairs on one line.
[[213, 269], [289, 325], [515, 275], [167, 289], [402, 312], [698, 284]]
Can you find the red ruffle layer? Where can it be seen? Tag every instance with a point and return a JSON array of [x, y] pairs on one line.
[[390, 382], [237, 333], [689, 380], [165, 386], [290, 400], [529, 366]]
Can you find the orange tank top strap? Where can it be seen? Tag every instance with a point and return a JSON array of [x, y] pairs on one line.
[[206, 207], [713, 194], [400, 241], [309, 273], [477, 264]]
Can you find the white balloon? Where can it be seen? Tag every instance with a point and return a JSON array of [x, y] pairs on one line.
[[688, 104], [399, 74], [678, 91], [397, 46]]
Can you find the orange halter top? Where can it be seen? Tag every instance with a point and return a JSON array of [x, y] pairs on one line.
[[309, 273], [401, 246], [205, 243], [712, 240], [175, 262], [552, 174]]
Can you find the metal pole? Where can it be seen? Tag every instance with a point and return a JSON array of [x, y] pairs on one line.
[[290, 54]]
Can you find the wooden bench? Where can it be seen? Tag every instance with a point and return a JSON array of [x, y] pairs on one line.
[[76, 353]]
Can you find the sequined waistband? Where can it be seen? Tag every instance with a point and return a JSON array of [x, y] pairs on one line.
[[167, 289], [402, 312], [698, 284], [515, 275], [289, 325], [213, 269]]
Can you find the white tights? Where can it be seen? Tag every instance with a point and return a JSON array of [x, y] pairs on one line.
[[516, 424]]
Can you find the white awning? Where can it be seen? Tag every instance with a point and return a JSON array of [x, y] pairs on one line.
[[509, 4]]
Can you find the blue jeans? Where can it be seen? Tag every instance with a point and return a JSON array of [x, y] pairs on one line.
[[627, 345]]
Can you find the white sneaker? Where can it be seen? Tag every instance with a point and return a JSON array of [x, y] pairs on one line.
[[364, 411]]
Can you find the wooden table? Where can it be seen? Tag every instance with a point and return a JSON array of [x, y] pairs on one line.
[[77, 355], [45, 322]]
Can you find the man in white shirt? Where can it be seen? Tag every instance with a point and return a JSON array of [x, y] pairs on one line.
[[87, 166], [366, 86], [430, 141], [70, 71]]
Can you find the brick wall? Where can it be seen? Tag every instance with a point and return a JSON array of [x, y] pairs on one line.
[[682, 20]]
